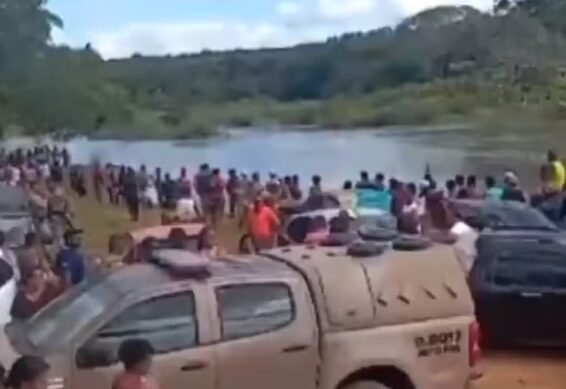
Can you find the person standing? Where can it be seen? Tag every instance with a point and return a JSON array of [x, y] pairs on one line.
[[131, 194], [492, 191], [559, 172], [217, 200], [234, 190], [203, 187], [98, 181], [264, 225], [71, 261], [316, 187], [295, 188]]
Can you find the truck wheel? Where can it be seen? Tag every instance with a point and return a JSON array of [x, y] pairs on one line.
[[366, 385]]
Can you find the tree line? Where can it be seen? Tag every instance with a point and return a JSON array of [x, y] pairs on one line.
[[46, 88]]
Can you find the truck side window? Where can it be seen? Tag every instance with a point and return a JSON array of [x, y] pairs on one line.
[[248, 310], [169, 323]]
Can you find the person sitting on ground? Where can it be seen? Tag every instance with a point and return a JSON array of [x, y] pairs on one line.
[[512, 190], [28, 372], [71, 261], [264, 225], [369, 197], [34, 292], [493, 192], [137, 356]]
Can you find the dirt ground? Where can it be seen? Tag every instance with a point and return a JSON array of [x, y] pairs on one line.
[[530, 370], [502, 369]]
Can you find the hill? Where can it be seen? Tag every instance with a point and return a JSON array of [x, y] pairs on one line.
[[444, 62]]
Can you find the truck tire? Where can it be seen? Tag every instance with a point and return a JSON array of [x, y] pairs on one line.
[[365, 249], [411, 243], [366, 385]]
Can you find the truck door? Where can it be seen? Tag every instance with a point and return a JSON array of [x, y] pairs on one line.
[[268, 336], [176, 324]]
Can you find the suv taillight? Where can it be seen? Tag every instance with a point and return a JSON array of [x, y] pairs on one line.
[[474, 348]]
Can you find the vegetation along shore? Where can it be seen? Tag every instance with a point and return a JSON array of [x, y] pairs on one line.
[[443, 65]]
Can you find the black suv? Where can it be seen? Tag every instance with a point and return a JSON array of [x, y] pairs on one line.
[[518, 279]]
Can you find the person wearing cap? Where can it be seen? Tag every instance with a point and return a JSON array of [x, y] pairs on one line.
[[511, 190], [71, 261]]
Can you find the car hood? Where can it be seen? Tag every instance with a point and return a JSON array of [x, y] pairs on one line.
[[539, 236]]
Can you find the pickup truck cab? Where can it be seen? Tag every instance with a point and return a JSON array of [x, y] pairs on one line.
[[297, 317]]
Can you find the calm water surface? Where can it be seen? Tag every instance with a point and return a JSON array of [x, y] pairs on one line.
[[339, 155]]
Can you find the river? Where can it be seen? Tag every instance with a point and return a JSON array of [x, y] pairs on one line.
[[338, 155]]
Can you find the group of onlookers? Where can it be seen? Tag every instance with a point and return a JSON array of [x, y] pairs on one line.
[[136, 355], [50, 258]]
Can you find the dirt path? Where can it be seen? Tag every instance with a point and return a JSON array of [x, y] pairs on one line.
[[523, 370]]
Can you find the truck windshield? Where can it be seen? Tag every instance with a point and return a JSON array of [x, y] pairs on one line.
[[59, 323]]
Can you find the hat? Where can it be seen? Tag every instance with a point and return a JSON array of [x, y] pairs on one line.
[[511, 178]]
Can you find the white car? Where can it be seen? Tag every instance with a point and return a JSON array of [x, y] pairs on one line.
[[7, 291]]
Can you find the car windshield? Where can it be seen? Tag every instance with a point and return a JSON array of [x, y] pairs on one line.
[[509, 217], [58, 324]]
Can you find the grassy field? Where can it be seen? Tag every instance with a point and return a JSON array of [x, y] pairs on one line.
[[99, 221]]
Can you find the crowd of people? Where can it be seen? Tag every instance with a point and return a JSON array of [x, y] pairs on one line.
[[49, 259]]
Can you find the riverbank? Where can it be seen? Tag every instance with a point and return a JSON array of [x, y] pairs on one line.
[[435, 103]]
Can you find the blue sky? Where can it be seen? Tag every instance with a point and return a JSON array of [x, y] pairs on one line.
[[120, 28]]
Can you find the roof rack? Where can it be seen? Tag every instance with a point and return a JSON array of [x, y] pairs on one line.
[[182, 263]]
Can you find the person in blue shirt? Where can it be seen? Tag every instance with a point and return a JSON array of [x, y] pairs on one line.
[[493, 192], [71, 261]]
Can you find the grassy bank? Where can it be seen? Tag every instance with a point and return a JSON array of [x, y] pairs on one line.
[[424, 104]]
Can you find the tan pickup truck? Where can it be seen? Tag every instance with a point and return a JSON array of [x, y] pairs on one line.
[[292, 318]]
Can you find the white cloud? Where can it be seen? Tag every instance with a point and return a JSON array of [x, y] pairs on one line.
[[295, 21]]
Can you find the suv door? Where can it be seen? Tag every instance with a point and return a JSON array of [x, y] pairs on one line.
[[176, 326], [268, 336]]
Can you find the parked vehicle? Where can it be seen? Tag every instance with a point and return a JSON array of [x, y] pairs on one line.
[[295, 317], [518, 279]]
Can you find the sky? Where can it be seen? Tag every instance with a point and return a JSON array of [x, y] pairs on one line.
[[120, 28]]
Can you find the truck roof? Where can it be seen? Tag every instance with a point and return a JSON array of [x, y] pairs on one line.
[[145, 277], [394, 287]]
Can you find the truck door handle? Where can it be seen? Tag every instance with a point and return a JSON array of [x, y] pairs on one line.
[[193, 366], [532, 295], [295, 349]]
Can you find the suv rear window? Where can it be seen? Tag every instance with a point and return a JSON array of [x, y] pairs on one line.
[[529, 269], [248, 310]]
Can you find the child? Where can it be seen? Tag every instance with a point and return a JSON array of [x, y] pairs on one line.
[[136, 355], [27, 373]]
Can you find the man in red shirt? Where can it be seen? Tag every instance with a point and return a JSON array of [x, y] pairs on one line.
[[264, 225]]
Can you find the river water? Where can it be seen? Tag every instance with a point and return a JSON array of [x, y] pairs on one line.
[[339, 155]]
